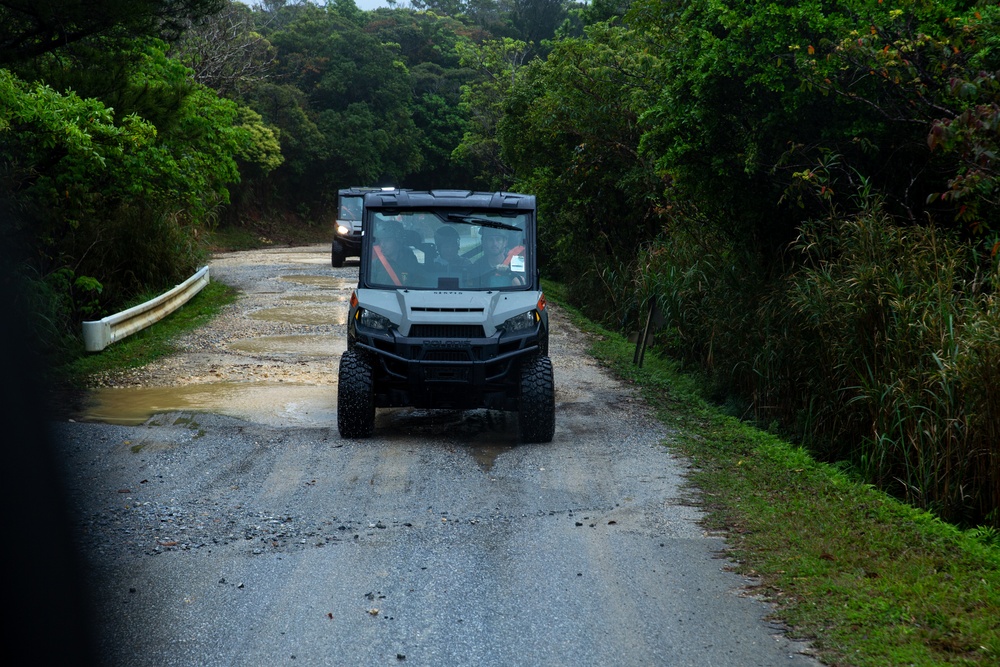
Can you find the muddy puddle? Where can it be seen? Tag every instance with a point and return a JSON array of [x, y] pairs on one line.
[[269, 404], [483, 435], [331, 299], [314, 314], [308, 396], [486, 452], [308, 345], [310, 258], [487, 455], [322, 282]]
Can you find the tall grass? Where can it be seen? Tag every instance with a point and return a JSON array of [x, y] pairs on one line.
[[909, 324], [703, 289], [880, 347]]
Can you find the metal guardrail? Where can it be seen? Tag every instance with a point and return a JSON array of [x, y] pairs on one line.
[[98, 334]]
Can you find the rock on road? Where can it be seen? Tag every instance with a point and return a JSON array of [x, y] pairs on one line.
[[235, 527]]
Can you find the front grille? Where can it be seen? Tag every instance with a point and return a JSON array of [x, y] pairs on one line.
[[446, 331], [446, 355], [423, 309]]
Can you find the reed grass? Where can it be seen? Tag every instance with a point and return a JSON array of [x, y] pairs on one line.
[[880, 347]]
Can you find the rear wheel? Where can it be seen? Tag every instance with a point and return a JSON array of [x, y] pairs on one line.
[[337, 254], [355, 396], [537, 406]]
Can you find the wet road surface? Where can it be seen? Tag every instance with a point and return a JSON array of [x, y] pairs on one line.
[[226, 523]]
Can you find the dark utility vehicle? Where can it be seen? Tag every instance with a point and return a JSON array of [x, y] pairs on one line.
[[347, 232], [448, 312]]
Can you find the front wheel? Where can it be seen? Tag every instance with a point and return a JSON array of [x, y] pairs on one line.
[[537, 406], [337, 254], [355, 396]]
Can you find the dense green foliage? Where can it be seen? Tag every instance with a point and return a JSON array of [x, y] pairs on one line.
[[807, 192], [350, 118], [106, 203]]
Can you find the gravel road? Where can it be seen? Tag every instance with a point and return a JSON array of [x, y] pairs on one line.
[[226, 523]]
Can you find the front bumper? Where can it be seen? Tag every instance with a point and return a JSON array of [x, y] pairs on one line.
[[351, 239], [447, 372], [349, 242]]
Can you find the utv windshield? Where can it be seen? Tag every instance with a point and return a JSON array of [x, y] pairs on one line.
[[350, 207], [448, 250]]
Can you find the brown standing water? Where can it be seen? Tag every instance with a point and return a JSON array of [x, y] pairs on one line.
[[270, 358]]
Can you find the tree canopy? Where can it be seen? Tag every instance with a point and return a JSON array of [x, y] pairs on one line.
[[29, 28]]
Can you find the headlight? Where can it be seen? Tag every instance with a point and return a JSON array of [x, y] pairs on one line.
[[526, 320], [342, 230], [367, 318]]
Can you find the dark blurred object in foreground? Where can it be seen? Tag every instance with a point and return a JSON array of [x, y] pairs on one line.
[[47, 603]]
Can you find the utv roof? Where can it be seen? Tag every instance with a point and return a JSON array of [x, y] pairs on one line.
[[362, 189], [461, 199]]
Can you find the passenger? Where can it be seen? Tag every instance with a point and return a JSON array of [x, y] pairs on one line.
[[448, 260], [393, 262]]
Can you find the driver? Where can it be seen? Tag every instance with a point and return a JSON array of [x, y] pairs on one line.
[[494, 265]]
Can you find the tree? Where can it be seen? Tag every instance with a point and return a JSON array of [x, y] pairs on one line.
[[934, 87], [225, 51], [117, 201], [537, 20], [571, 132], [29, 28], [500, 65], [353, 100], [428, 45], [527, 20]]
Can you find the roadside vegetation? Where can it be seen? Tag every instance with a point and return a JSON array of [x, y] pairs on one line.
[[866, 578]]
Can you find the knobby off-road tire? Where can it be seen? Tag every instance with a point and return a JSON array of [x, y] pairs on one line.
[[537, 408], [337, 255], [355, 396]]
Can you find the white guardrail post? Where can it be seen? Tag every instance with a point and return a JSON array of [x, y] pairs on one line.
[[98, 334]]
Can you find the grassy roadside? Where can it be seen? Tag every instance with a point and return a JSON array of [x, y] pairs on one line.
[[870, 580], [269, 234], [150, 343]]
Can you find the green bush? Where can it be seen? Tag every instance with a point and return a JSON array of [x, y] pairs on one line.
[[103, 204]]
